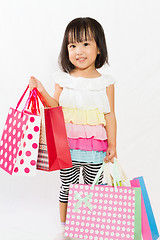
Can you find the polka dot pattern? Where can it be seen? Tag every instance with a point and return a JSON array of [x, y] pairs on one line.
[[30, 136], [11, 137], [111, 217], [28, 151], [36, 128], [32, 119]]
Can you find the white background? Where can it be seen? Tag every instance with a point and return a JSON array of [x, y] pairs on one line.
[[31, 36]]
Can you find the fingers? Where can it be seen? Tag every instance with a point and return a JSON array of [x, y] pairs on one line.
[[106, 160], [32, 83], [110, 156]]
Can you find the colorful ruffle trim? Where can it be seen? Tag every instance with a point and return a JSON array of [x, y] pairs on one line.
[[86, 131], [88, 144], [90, 117], [87, 156]]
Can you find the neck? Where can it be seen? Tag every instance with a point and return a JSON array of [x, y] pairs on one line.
[[87, 73]]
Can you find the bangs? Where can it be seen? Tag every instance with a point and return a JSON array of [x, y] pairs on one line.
[[80, 34]]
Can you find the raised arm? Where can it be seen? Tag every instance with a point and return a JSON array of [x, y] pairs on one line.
[[52, 101]]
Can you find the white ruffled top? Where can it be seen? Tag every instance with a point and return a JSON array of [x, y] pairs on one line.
[[84, 93]]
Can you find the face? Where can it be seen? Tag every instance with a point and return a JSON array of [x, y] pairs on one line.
[[83, 54]]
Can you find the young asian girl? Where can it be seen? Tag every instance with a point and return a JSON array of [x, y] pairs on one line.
[[87, 100]]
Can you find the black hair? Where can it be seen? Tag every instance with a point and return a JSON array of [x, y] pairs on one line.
[[75, 30]]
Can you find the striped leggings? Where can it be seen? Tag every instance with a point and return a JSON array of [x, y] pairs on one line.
[[71, 176]]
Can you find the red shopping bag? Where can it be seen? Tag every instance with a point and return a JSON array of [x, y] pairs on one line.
[[59, 156], [13, 146]]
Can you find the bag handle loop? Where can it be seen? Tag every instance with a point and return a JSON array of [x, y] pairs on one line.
[[119, 177], [34, 97], [20, 100]]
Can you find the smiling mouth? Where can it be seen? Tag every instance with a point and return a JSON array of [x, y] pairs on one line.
[[81, 59]]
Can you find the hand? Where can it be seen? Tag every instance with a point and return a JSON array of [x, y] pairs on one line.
[[35, 83], [110, 154]]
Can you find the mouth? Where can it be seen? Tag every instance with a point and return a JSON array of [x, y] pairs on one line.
[[81, 59]]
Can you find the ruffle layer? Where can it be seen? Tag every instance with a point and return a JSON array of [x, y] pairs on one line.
[[87, 117], [68, 81], [87, 156], [85, 100], [88, 144], [86, 131]]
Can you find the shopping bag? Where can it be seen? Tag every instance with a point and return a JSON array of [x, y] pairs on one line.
[[20, 138], [59, 156], [149, 227], [53, 153], [28, 151], [42, 160], [103, 212]]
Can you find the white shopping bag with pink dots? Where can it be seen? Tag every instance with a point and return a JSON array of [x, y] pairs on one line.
[[26, 159], [20, 140]]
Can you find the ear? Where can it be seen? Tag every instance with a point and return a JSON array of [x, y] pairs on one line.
[[98, 51]]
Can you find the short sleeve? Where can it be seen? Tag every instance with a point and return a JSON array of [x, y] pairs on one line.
[[58, 77], [54, 78], [109, 80]]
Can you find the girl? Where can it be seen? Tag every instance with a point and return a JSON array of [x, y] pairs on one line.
[[87, 100]]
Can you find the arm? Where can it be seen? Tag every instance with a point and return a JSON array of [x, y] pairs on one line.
[[111, 126], [52, 101]]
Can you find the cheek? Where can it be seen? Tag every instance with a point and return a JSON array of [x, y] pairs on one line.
[[71, 55], [92, 54]]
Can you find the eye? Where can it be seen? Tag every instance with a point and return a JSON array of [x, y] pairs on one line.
[[86, 44], [72, 46]]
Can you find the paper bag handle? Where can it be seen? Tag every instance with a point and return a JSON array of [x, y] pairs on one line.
[[118, 175], [32, 99], [20, 100], [35, 101]]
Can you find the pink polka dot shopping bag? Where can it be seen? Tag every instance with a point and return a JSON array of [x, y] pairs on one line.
[[20, 139], [103, 212]]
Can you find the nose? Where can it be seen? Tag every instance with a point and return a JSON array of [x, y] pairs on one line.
[[79, 50]]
